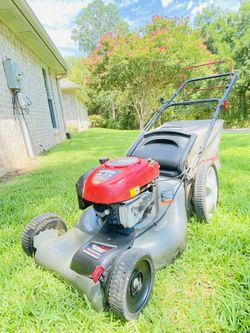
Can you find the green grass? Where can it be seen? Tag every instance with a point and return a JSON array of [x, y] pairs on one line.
[[205, 290]]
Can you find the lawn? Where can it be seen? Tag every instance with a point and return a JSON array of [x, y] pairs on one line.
[[205, 290]]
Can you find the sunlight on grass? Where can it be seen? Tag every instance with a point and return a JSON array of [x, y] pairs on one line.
[[205, 290]]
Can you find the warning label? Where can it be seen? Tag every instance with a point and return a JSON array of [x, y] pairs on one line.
[[95, 250], [167, 197]]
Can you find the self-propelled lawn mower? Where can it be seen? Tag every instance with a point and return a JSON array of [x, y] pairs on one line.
[[136, 210]]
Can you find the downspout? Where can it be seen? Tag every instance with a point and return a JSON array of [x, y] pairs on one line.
[[26, 135], [78, 112], [18, 96], [61, 100]]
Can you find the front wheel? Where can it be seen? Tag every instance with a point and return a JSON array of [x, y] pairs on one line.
[[131, 283], [39, 224], [206, 191]]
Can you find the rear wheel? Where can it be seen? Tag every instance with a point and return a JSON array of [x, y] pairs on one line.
[[38, 224], [206, 191], [131, 283]]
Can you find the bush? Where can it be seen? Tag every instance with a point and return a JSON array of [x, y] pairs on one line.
[[96, 120], [112, 123], [128, 120]]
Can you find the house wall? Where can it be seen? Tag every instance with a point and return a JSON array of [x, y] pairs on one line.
[[75, 112], [82, 112], [13, 153], [70, 106]]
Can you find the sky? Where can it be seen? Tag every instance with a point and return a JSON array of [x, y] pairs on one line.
[[58, 16]]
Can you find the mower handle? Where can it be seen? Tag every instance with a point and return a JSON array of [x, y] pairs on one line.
[[220, 101], [170, 103]]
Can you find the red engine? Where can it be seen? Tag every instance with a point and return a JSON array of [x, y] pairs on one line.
[[119, 180]]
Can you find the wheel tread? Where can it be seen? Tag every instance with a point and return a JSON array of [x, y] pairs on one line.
[[199, 194], [30, 229], [116, 292]]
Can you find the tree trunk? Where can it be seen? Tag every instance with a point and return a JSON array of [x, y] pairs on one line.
[[113, 109], [142, 111], [243, 104], [140, 115], [141, 121]]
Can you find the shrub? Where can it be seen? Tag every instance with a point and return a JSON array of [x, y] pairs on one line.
[[96, 120], [112, 123]]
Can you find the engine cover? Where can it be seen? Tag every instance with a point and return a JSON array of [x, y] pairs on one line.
[[119, 179], [132, 211]]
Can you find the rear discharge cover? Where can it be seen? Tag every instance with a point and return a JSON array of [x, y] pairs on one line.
[[119, 179]]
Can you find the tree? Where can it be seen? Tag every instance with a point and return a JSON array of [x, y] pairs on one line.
[[228, 34], [79, 74], [93, 22], [139, 68]]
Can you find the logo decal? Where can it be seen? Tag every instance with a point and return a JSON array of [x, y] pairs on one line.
[[95, 250]]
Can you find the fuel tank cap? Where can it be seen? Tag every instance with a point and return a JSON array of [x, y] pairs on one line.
[[122, 161]]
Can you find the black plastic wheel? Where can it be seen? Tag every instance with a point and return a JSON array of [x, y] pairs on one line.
[[131, 283], [206, 191], [38, 224]]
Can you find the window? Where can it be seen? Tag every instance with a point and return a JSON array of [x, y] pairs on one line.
[[50, 101]]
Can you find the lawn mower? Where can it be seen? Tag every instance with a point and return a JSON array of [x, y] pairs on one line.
[[135, 210]]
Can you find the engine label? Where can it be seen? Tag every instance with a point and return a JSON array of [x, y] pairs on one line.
[[95, 250], [103, 175], [167, 197]]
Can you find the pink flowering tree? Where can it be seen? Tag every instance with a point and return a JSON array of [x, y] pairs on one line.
[[138, 68]]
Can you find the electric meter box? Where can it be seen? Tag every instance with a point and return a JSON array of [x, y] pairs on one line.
[[13, 74]]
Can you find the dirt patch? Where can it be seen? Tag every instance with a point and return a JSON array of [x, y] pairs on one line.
[[10, 175], [18, 172]]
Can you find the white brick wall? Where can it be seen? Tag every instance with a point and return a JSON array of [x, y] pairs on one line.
[[43, 136], [75, 113], [70, 108], [11, 144]]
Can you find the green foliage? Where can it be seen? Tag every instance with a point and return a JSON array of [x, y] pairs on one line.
[[135, 70], [126, 74], [228, 34], [205, 290], [93, 21], [96, 120], [79, 74], [128, 119]]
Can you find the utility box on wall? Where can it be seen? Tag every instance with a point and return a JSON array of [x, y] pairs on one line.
[[13, 74]]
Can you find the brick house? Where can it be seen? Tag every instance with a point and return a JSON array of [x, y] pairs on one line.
[[31, 107], [75, 112]]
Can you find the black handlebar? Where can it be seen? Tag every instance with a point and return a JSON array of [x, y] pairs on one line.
[[171, 103], [220, 101]]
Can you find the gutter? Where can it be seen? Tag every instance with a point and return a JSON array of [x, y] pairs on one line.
[[26, 11]]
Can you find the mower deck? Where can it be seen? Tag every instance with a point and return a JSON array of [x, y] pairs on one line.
[[65, 254]]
